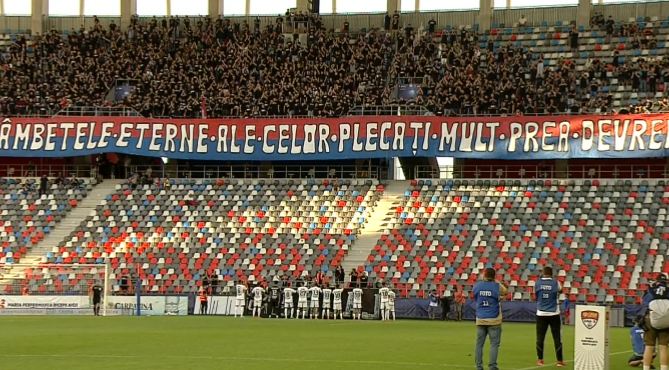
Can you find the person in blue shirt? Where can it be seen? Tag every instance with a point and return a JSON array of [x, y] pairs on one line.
[[546, 292], [488, 293], [636, 336], [652, 336], [566, 311]]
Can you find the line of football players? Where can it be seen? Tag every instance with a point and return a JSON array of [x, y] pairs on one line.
[[309, 302]]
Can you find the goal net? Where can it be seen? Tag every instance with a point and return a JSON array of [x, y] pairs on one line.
[[45, 289]]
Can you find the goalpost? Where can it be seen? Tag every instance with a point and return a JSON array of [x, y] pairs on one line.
[[47, 289]]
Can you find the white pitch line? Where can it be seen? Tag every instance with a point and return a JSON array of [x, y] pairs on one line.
[[234, 358], [539, 367]]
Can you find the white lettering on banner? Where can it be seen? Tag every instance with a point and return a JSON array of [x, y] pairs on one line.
[[372, 134], [398, 140], [587, 135], [156, 134], [186, 138], [106, 134], [639, 129], [295, 148], [652, 143], [448, 137], [5, 129], [516, 133], [563, 141], [250, 131], [428, 136], [170, 135], [142, 127], [124, 135], [323, 145], [383, 142], [283, 135], [22, 136], [604, 128], [309, 143], [620, 134]]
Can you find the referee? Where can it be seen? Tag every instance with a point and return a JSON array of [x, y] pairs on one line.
[[546, 291]]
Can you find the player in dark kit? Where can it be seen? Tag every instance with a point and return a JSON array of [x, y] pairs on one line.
[[274, 300], [96, 290]]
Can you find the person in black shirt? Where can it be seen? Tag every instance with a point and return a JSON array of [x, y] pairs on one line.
[[96, 291], [431, 25], [274, 294]]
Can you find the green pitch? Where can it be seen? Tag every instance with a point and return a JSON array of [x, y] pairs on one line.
[[227, 343]]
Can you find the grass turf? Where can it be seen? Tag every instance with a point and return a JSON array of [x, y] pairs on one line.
[[227, 343]]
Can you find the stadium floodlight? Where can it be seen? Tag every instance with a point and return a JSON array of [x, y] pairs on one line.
[[52, 289]]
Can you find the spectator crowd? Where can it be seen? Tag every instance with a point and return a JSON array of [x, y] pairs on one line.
[[181, 67]]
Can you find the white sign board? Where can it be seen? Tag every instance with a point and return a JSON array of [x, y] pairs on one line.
[[217, 305], [42, 305], [591, 346], [150, 305]]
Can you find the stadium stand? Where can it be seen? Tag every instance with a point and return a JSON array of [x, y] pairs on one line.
[[26, 216], [604, 237], [524, 70], [232, 229]]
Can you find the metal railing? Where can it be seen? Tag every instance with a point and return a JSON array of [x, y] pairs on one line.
[[99, 111], [247, 171], [51, 170], [631, 171]]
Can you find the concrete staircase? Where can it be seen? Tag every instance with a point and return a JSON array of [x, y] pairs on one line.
[[67, 224], [371, 233]]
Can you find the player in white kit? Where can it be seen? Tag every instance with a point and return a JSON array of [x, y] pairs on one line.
[[257, 293], [357, 303], [314, 304], [327, 292], [288, 302], [302, 294], [391, 304], [240, 301], [336, 302], [383, 298]]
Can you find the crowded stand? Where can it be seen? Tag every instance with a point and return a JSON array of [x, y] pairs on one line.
[[181, 67]]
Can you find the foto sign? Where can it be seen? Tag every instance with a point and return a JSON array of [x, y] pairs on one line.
[[591, 339]]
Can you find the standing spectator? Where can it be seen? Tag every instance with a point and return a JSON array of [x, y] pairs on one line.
[[431, 25], [433, 304], [446, 299], [573, 39], [364, 279], [386, 22], [652, 336], [319, 279], [395, 21], [488, 294], [610, 23], [547, 291], [340, 275], [203, 301], [43, 184], [353, 282], [566, 310], [522, 22], [460, 300]]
